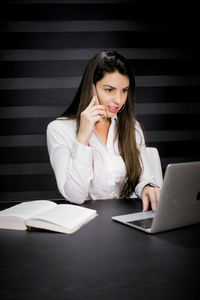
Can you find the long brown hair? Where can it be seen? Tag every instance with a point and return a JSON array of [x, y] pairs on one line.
[[110, 61]]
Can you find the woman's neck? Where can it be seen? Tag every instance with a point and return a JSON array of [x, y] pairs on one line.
[[102, 128]]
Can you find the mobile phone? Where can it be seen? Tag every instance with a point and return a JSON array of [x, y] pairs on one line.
[[94, 93]]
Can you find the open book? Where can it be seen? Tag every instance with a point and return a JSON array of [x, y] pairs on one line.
[[45, 214]]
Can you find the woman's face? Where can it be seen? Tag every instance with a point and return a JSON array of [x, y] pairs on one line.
[[112, 91]]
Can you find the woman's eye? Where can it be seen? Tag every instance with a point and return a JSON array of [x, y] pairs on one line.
[[108, 90], [125, 91]]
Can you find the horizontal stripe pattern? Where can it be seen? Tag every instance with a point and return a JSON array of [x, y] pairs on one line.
[[6, 197], [79, 26], [72, 1], [76, 68], [23, 155], [63, 96], [17, 112], [151, 136], [41, 182], [25, 169], [35, 155], [44, 168], [39, 164], [23, 140], [45, 46], [73, 82], [150, 122], [57, 40], [96, 10], [86, 53]]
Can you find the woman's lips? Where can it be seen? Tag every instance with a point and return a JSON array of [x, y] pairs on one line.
[[113, 109]]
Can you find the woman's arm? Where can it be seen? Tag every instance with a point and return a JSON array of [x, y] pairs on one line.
[[70, 155], [147, 189], [70, 160]]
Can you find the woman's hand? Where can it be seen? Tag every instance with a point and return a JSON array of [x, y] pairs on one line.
[[150, 195], [89, 117]]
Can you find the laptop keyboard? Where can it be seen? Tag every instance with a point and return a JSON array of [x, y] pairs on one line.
[[144, 223]]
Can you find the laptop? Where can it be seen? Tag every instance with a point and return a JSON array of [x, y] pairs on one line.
[[179, 203]]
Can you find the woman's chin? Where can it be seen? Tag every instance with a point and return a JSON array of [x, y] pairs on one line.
[[110, 115]]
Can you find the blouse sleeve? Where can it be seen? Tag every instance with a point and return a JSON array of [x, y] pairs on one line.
[[70, 160], [147, 177]]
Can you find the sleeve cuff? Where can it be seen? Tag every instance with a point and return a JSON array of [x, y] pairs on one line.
[[140, 186]]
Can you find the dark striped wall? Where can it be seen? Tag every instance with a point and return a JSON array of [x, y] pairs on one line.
[[45, 46]]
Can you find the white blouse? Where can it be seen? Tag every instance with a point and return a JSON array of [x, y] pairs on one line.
[[96, 171]]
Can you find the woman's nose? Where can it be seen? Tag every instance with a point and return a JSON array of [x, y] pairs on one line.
[[117, 99]]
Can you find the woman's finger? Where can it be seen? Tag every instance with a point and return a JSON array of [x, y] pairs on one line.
[[97, 112], [154, 197], [92, 102], [145, 202], [97, 107], [153, 200], [150, 195], [96, 119]]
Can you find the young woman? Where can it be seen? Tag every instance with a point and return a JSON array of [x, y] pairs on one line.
[[97, 148]]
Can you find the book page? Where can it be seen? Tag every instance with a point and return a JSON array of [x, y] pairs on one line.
[[28, 209], [66, 215]]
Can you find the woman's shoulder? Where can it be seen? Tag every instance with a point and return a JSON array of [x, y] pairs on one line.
[[63, 129], [139, 133], [138, 127], [63, 124]]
